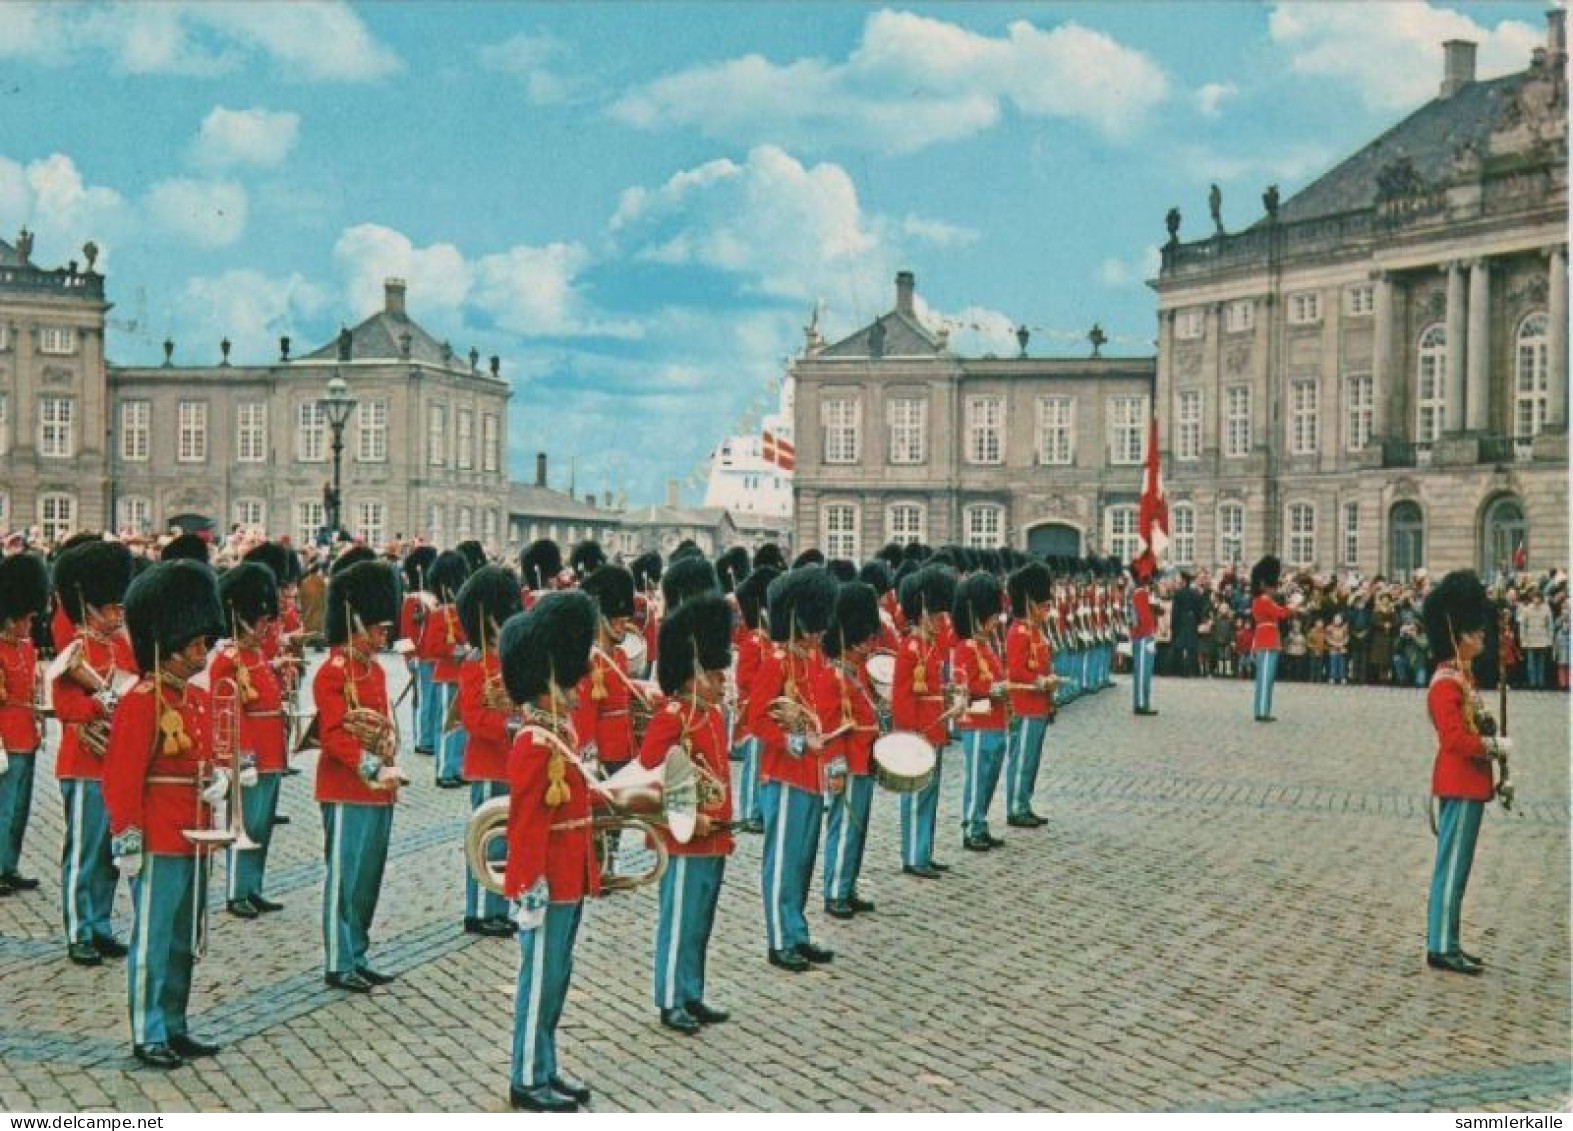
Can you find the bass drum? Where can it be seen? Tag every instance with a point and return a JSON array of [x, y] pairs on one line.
[[904, 761], [634, 651], [881, 669]]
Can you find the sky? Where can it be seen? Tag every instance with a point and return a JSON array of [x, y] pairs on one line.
[[639, 206]]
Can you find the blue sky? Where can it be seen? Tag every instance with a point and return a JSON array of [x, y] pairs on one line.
[[638, 204]]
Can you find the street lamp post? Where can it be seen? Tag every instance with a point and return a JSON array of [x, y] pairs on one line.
[[338, 405]]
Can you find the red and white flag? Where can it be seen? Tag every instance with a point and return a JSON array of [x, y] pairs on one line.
[[779, 451], [1152, 523]]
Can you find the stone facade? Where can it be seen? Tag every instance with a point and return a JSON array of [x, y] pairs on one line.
[[1374, 376], [899, 439]]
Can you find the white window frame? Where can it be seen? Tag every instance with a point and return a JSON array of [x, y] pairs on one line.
[[311, 432], [842, 417], [136, 431], [1359, 410], [488, 526], [57, 427], [434, 522], [986, 430], [1127, 430], [1056, 431], [1182, 534], [5, 336], [1239, 316], [464, 525], [56, 512], [1305, 424], [839, 523], [437, 434], [57, 341], [5, 422], [1188, 426], [310, 517], [371, 431], [372, 527], [1531, 376], [191, 432], [1300, 534], [134, 513], [983, 526], [1190, 324], [1237, 425], [1431, 383], [908, 423], [250, 511], [1360, 300], [1351, 538], [1231, 533], [251, 432], [464, 454], [1120, 530], [906, 521], [1305, 308], [490, 448]]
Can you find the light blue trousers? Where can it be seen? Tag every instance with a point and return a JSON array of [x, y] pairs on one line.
[[919, 812], [1022, 761], [846, 832], [545, 965], [1144, 656], [1266, 673], [478, 902], [428, 715], [1457, 830], [792, 820], [690, 889], [163, 943], [450, 757], [87, 871], [258, 804], [16, 805], [748, 780], [356, 847], [984, 751]]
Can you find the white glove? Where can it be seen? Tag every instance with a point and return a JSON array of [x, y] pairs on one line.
[[218, 788], [1499, 746], [127, 852], [5, 761], [248, 770], [388, 777], [529, 909]]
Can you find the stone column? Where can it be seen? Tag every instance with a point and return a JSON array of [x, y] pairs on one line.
[[1381, 354], [1557, 341], [1477, 404], [1456, 347]]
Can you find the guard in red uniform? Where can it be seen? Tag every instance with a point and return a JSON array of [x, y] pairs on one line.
[[159, 785], [801, 602], [442, 643], [283, 638], [602, 719], [847, 705], [1029, 666], [975, 664], [1144, 643], [24, 596], [90, 585], [646, 569], [917, 704], [488, 599], [750, 643], [696, 646], [417, 606], [540, 565], [357, 781], [249, 596], [551, 861], [1265, 641]]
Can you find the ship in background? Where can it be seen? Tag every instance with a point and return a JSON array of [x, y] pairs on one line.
[[751, 475]]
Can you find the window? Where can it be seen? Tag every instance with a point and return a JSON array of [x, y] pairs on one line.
[[1190, 324], [5, 336], [1056, 430], [56, 433], [371, 432], [434, 522], [1231, 533], [1188, 438], [1360, 300], [1359, 395], [1239, 316], [908, 428], [1237, 421], [135, 426], [1351, 534], [5, 422], [1406, 539], [372, 526], [1431, 384], [1182, 523], [488, 526], [1127, 429], [1302, 534], [905, 523], [251, 432], [57, 515], [1305, 308], [58, 340], [437, 435], [464, 454], [983, 525], [192, 434], [311, 433], [1120, 532], [1531, 384], [840, 525], [489, 447], [466, 525], [985, 443], [5, 510], [134, 513], [1506, 537], [841, 431], [250, 512], [1303, 420], [310, 518]]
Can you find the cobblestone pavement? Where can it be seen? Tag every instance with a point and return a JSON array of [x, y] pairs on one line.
[[1219, 915]]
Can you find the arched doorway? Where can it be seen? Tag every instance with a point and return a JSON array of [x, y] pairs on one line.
[[1504, 537], [1054, 539], [1406, 540]]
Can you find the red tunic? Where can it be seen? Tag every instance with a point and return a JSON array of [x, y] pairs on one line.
[[911, 709], [702, 731], [1267, 612], [75, 705], [605, 721], [975, 663], [777, 668], [553, 841], [441, 640], [1146, 624], [61, 629], [1462, 768], [409, 628], [749, 646], [486, 754], [1027, 660], [338, 766], [891, 604], [19, 730], [261, 720], [844, 697], [160, 808]]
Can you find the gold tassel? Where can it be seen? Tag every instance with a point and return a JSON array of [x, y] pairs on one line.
[[173, 728], [248, 693], [557, 788], [920, 675], [598, 680]]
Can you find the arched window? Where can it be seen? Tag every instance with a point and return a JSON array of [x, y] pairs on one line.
[[1406, 540], [1431, 384], [1302, 534], [134, 513], [1504, 543], [1531, 377], [1231, 533]]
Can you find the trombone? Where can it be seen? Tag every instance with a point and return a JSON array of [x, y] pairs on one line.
[[224, 829]]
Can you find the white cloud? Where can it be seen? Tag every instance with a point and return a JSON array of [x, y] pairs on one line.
[[534, 60], [533, 290], [252, 310], [61, 209], [209, 214], [245, 137], [1113, 272], [1291, 162], [368, 254], [975, 331], [310, 40], [938, 232], [1211, 96], [912, 82], [1392, 53]]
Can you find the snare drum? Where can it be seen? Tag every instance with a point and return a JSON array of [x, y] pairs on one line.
[[903, 761], [881, 669], [634, 651]]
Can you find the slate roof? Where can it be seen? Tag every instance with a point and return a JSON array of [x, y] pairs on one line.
[[8, 255], [530, 501], [905, 336], [656, 515], [377, 339]]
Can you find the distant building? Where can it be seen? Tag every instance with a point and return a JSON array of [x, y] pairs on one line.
[[1374, 375], [536, 511], [751, 474]]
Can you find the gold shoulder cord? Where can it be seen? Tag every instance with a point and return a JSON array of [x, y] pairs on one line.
[[171, 725]]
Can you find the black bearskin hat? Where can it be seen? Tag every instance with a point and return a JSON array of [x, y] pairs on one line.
[[247, 592], [891, 553], [474, 553], [1455, 608], [856, 618], [770, 555], [876, 572], [612, 586], [751, 595], [80, 538], [186, 547], [701, 630], [808, 557], [916, 552], [24, 586], [801, 601], [169, 605], [903, 571], [487, 599], [549, 643], [977, 599], [369, 589], [842, 569], [94, 573], [1031, 582], [417, 569], [687, 548], [354, 556], [283, 561], [732, 567], [931, 589], [587, 557], [647, 570], [1265, 574], [687, 577], [447, 576], [539, 563]]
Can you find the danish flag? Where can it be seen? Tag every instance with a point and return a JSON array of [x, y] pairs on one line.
[[779, 451], [1152, 523]]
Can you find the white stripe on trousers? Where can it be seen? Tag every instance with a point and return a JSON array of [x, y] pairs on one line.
[[675, 931], [74, 880], [336, 888], [773, 914], [144, 926], [532, 1015]]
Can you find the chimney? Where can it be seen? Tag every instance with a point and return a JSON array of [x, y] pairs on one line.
[[672, 499], [393, 297], [540, 469], [1458, 69], [1556, 35], [905, 281]]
